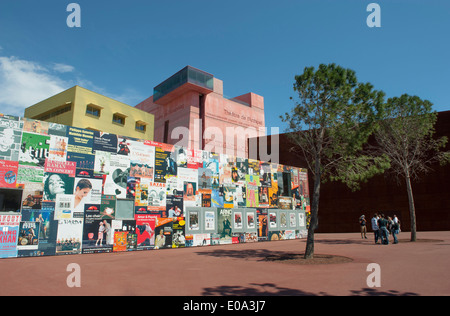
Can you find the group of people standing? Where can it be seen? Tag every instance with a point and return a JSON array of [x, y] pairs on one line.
[[382, 226]]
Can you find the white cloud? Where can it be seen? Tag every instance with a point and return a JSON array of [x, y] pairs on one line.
[[24, 83], [62, 68]]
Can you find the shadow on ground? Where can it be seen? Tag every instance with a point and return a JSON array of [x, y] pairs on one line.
[[270, 289], [259, 254]]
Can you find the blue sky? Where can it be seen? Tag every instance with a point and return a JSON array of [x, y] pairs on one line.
[[125, 48]]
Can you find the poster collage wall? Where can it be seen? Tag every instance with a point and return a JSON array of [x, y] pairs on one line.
[[85, 191]]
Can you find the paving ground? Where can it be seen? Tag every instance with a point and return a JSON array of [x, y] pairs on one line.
[[420, 268]]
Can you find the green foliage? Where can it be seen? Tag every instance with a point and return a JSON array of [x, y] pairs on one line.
[[406, 136], [332, 120]]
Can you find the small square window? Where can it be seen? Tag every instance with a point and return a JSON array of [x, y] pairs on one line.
[[119, 119], [141, 127], [92, 110]]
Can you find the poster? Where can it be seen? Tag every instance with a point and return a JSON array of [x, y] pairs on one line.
[[156, 196], [9, 233], [178, 235], [263, 224], [252, 190], [28, 236], [224, 225], [8, 173], [174, 206], [69, 237], [32, 196], [35, 149], [105, 142], [48, 228], [120, 241], [55, 184], [238, 220], [210, 220], [194, 220], [164, 233], [10, 137], [115, 181], [64, 207], [58, 148], [165, 165], [145, 231]]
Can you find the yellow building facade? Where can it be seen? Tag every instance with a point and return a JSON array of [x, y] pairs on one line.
[[83, 108]]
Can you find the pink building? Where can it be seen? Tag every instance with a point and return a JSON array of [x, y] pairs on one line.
[[192, 100]]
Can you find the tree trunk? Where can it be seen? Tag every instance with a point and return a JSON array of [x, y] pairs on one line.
[[309, 252], [412, 209]]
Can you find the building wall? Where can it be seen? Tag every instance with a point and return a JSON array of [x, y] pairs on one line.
[[79, 98], [246, 111], [340, 208], [49, 105], [59, 185]]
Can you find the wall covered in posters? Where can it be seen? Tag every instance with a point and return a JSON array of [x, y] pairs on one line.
[[66, 190]]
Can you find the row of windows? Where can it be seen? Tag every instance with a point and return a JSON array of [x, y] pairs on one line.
[[117, 118], [54, 113]]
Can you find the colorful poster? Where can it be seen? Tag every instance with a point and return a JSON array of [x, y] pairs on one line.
[[105, 142], [120, 241], [58, 148], [86, 191], [102, 163], [61, 167], [115, 181], [35, 126], [224, 225], [200, 240], [157, 196], [10, 137], [165, 165], [29, 174], [108, 207], [55, 184], [251, 221], [163, 233], [35, 149], [263, 224], [69, 237], [145, 231], [194, 158], [9, 232], [174, 206], [28, 236], [194, 220], [272, 220], [286, 203], [237, 220], [8, 173], [32, 196], [64, 207], [210, 220], [252, 190], [48, 228], [178, 236], [80, 140]]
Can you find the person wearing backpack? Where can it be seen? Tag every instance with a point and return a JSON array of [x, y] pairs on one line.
[[395, 230], [375, 228], [382, 224]]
